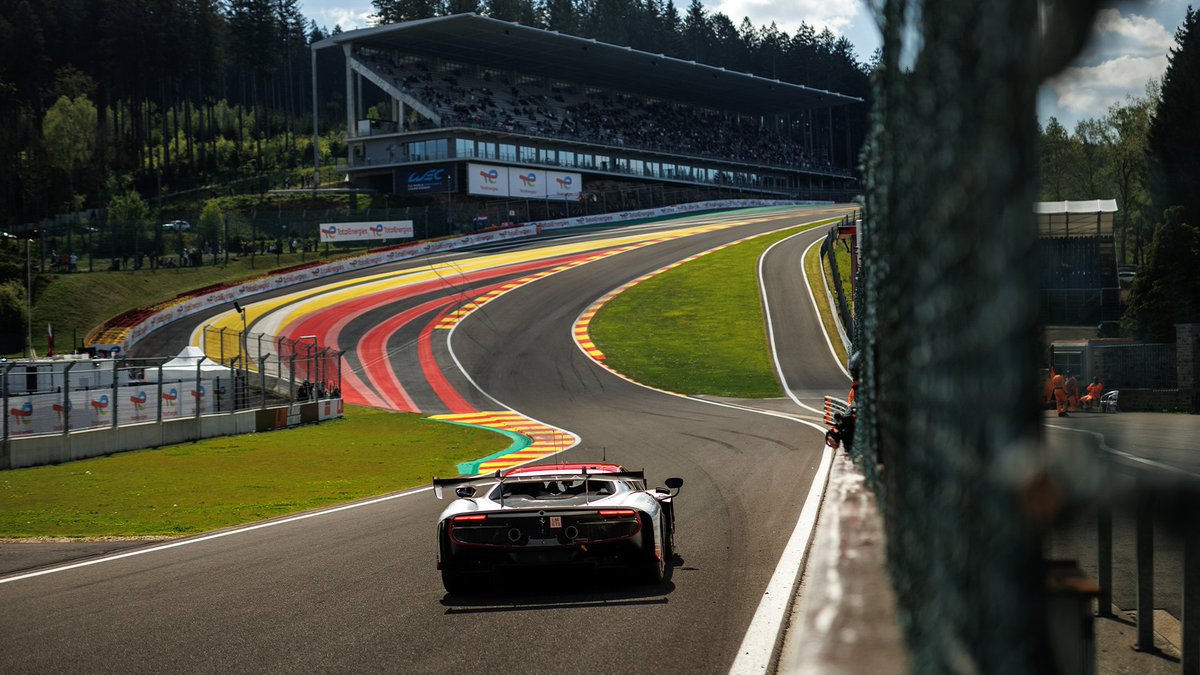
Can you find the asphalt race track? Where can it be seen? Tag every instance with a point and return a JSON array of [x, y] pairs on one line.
[[355, 588]]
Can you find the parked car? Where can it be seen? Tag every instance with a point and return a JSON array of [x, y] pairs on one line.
[[178, 225]]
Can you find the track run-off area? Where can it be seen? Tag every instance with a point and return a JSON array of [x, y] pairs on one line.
[[493, 338]]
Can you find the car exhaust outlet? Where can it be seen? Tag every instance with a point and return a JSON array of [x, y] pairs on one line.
[[514, 534], [571, 532]]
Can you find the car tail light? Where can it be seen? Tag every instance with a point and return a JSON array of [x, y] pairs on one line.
[[480, 516], [610, 513]]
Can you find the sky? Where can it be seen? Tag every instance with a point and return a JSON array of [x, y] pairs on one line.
[[1129, 44]]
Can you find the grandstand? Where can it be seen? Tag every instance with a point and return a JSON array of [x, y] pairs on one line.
[[471, 98], [1078, 261]]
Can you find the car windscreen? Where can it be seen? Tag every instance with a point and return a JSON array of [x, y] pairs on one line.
[[556, 490]]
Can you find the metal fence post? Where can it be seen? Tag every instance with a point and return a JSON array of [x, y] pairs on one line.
[[115, 389], [339, 372], [66, 391], [1190, 649], [292, 380], [262, 377], [1104, 551], [7, 369], [1145, 566], [158, 415], [221, 342], [197, 390]]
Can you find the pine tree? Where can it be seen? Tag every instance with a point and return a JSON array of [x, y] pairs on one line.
[[1174, 142]]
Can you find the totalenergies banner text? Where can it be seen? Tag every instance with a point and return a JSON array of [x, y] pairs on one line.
[[564, 186], [484, 179], [47, 413], [391, 229]]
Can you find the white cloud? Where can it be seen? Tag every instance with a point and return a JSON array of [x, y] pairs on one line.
[[837, 15], [1132, 35], [1125, 51], [348, 18], [1088, 91]]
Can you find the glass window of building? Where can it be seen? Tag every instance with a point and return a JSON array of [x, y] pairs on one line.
[[528, 154], [485, 149], [566, 158], [464, 148], [508, 152], [548, 156], [438, 148]]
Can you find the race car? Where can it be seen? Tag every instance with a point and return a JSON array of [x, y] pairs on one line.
[[597, 515]]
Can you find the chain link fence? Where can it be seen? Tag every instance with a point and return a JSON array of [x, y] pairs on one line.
[[69, 395], [278, 367], [948, 428]]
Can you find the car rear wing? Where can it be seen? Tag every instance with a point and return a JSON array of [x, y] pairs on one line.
[[439, 484]]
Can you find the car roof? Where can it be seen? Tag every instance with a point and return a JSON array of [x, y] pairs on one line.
[[556, 469]]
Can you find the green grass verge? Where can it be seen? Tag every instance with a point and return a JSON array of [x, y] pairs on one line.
[[221, 482], [845, 265], [696, 329], [818, 275]]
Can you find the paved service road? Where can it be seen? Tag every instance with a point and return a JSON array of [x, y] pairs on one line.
[[356, 588]]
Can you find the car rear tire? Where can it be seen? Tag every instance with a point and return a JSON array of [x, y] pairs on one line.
[[454, 582], [653, 573]]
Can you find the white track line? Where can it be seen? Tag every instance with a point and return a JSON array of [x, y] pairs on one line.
[[760, 644], [208, 537]]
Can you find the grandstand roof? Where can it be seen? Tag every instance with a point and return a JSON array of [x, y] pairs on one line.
[[471, 38], [1072, 207]]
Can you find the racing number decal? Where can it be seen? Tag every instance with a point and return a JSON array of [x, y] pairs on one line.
[[555, 522]]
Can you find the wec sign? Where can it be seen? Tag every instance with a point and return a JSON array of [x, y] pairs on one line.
[[391, 229]]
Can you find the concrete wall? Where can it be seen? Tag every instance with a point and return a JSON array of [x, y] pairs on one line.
[[39, 450]]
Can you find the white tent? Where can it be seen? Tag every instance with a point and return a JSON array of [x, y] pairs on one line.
[[183, 367]]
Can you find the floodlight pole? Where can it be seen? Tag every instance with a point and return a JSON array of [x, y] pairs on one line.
[[28, 301], [316, 131]]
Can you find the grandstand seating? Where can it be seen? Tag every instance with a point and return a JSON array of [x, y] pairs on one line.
[[493, 100]]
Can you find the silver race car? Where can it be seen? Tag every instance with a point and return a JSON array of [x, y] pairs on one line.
[[597, 515]]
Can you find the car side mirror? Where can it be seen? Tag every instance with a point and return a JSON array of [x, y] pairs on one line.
[[465, 491], [674, 484]]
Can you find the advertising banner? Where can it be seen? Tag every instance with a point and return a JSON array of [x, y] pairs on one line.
[[93, 409], [564, 186], [391, 229], [484, 179], [527, 183], [425, 179]]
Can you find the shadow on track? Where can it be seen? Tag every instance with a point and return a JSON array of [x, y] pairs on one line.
[[535, 589]]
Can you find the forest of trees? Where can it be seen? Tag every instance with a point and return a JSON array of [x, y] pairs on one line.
[[1145, 153], [159, 95], [100, 96]]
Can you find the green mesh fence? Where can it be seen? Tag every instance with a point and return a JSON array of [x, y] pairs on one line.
[[948, 322]]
